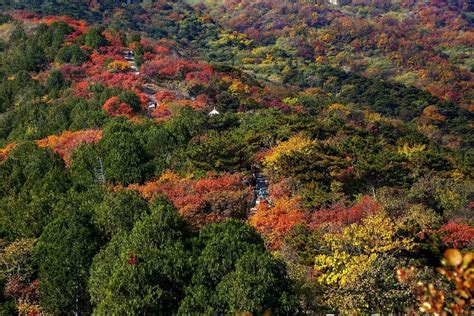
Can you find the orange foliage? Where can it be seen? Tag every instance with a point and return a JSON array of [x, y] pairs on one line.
[[430, 113], [202, 201], [79, 26], [165, 96], [65, 143], [5, 151], [115, 40], [281, 189], [199, 103], [276, 221], [161, 50], [261, 155], [161, 112]]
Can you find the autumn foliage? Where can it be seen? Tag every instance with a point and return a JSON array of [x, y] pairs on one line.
[[457, 270], [65, 143], [20, 286], [161, 113], [275, 221], [457, 234], [202, 201], [114, 107], [342, 216], [355, 117], [79, 26], [172, 68], [165, 96], [5, 151], [118, 66], [99, 71], [430, 113]]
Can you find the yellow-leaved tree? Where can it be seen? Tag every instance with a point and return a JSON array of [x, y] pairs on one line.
[[118, 66], [296, 143], [357, 247], [355, 265]]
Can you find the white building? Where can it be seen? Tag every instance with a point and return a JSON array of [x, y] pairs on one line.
[[339, 2], [214, 112]]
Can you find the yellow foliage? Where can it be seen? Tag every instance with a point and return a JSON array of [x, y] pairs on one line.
[[409, 151], [118, 65], [458, 269], [286, 70], [18, 249], [326, 38], [205, 19], [357, 247], [230, 38], [248, 60], [6, 31], [312, 92], [290, 100], [30, 130], [372, 117], [296, 143], [321, 59], [238, 88], [260, 51], [338, 107], [268, 59], [169, 176], [457, 175]]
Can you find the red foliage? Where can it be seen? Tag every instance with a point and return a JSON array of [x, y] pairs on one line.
[[261, 155], [281, 189], [132, 260], [123, 81], [411, 44], [343, 216], [114, 39], [79, 26], [80, 89], [95, 72], [114, 107], [277, 104], [203, 75], [162, 50], [457, 234], [165, 96], [13, 287], [161, 112], [202, 201], [71, 72], [24, 293], [65, 143], [169, 67], [165, 68]]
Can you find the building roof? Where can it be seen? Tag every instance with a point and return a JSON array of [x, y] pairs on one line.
[[214, 112]]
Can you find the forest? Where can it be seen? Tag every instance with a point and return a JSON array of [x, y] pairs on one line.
[[236, 157]]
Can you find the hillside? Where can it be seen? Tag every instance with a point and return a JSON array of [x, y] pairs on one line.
[[234, 157]]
